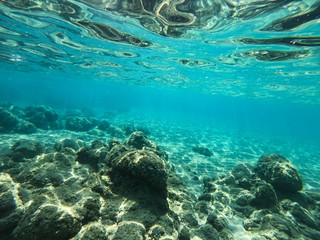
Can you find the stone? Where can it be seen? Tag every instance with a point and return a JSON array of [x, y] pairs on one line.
[[303, 216], [26, 149], [104, 125], [130, 231], [95, 233], [242, 170], [265, 196], [184, 234], [112, 142], [139, 141], [156, 232], [202, 150], [79, 124], [217, 221], [207, 232], [96, 144], [279, 172], [47, 222], [7, 120], [92, 156], [91, 210], [75, 144], [41, 116], [281, 223], [145, 166], [86, 155], [25, 127]]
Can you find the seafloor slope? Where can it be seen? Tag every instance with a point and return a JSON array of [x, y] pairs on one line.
[[58, 182]]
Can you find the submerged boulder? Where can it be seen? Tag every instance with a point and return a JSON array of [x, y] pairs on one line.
[[79, 124], [202, 150], [49, 222], [42, 117], [7, 120], [139, 141], [145, 166], [75, 144], [26, 149], [25, 127], [280, 173]]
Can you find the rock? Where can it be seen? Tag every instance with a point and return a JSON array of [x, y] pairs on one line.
[[207, 232], [226, 234], [184, 234], [115, 131], [202, 150], [95, 233], [217, 221], [279, 172], [7, 202], [87, 156], [41, 116], [145, 166], [25, 127], [265, 196], [130, 231], [190, 219], [115, 153], [278, 222], [242, 170], [139, 141], [26, 149], [48, 222], [75, 144], [205, 197], [78, 124], [98, 144], [156, 232], [303, 216], [112, 143], [91, 210], [7, 121], [244, 198], [129, 129], [104, 125], [42, 177], [10, 214]]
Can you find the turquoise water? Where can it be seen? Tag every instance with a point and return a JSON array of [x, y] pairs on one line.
[[232, 70]]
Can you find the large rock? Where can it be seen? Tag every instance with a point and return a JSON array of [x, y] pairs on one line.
[[25, 127], [7, 120], [41, 116], [145, 166], [26, 149], [279, 172], [202, 150], [139, 141], [75, 144], [48, 222], [79, 124], [265, 196]]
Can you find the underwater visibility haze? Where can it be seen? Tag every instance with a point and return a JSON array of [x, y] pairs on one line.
[[159, 119]]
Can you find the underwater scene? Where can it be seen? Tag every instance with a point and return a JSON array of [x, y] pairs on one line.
[[159, 120]]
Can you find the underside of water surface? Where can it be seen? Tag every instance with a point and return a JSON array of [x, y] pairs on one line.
[[159, 119]]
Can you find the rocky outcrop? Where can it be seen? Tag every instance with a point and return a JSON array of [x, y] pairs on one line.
[[26, 149], [42, 117], [280, 173], [79, 124]]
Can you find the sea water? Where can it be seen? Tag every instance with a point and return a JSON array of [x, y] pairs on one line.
[[242, 81]]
